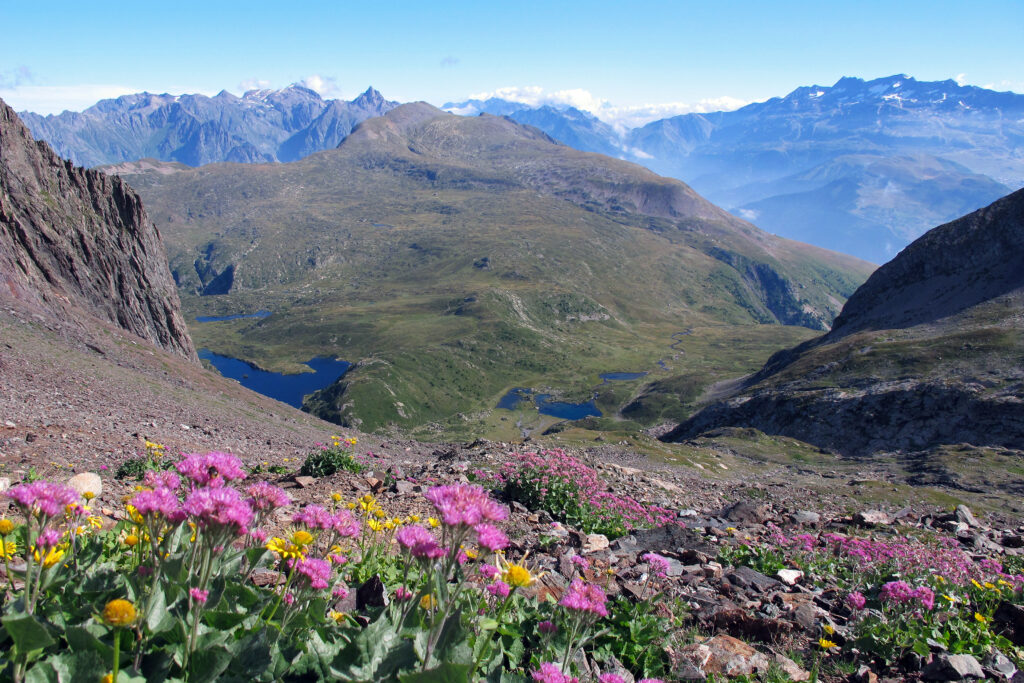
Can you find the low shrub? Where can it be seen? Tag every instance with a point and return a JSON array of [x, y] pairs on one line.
[[330, 459]]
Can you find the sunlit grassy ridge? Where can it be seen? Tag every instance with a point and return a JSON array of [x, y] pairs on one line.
[[452, 258]]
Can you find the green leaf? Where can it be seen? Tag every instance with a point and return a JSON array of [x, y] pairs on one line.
[[445, 673], [160, 618], [27, 632], [81, 640], [208, 663], [69, 667]]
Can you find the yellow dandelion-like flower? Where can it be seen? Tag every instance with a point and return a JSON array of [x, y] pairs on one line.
[[991, 586], [119, 613], [302, 538], [350, 506], [517, 575], [389, 525], [1003, 582], [336, 497], [827, 628], [428, 602], [976, 584], [434, 522], [131, 540], [352, 441], [88, 495], [6, 527], [472, 554], [95, 522], [379, 513], [952, 599], [284, 549], [8, 549], [980, 618], [413, 519], [337, 616], [109, 678], [940, 578], [53, 556], [374, 524], [286, 459], [826, 644]]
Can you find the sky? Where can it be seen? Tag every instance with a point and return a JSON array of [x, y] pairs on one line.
[[627, 62]]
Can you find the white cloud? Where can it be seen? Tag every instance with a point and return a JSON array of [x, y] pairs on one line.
[[326, 86], [961, 79], [748, 214], [253, 84], [620, 117], [53, 99]]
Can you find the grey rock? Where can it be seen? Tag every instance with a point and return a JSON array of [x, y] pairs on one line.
[[953, 668], [1000, 664], [5, 483], [964, 514], [805, 518], [745, 577], [870, 518]]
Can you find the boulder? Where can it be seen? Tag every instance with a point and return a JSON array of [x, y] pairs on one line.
[[953, 668], [87, 482]]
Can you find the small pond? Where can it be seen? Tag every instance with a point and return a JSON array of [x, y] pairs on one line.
[[288, 389], [237, 316], [620, 376], [545, 406]]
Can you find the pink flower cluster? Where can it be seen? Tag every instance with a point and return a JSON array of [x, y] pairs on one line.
[[199, 596], [856, 600], [160, 502], [161, 480], [550, 673], [585, 597], [219, 509], [552, 468], [490, 537], [211, 469], [314, 571], [901, 593], [420, 543], [265, 496], [499, 589], [659, 565], [465, 505], [42, 499]]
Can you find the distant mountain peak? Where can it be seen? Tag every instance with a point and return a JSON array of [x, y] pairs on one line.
[[370, 97]]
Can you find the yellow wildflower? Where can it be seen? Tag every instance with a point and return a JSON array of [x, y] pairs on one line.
[[8, 549], [825, 644], [413, 519], [352, 441], [337, 616], [980, 618], [302, 538], [119, 613], [434, 522], [517, 575], [976, 584], [109, 678], [991, 586], [53, 556], [131, 540], [6, 527], [1003, 582], [389, 525], [284, 549], [940, 578], [472, 554], [949, 597], [827, 628], [336, 497], [374, 524], [379, 513], [428, 602], [88, 495], [350, 506]]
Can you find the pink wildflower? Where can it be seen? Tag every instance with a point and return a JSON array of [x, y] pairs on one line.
[[161, 480], [420, 543], [499, 589], [465, 505], [316, 572], [265, 496], [547, 627], [48, 539], [403, 594], [220, 509], [314, 517], [856, 600], [659, 566], [160, 502], [339, 592], [345, 525], [610, 678], [489, 570], [211, 469], [550, 673], [581, 562], [585, 597], [42, 499], [289, 599], [258, 535], [491, 537], [199, 596]]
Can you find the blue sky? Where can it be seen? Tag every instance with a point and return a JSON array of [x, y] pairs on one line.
[[618, 58]]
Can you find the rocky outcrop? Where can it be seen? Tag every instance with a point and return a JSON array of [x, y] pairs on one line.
[[925, 353], [75, 241]]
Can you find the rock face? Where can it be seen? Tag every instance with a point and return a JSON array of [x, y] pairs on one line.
[[925, 353], [74, 240]]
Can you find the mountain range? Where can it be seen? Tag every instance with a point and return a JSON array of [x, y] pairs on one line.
[[862, 167], [925, 355], [260, 126], [453, 258]]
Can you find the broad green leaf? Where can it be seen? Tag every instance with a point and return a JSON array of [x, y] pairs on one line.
[[208, 663], [69, 667], [27, 632], [445, 673]]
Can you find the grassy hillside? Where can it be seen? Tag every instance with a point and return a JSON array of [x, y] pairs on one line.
[[454, 258]]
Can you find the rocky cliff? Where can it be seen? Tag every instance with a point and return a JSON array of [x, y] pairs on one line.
[[927, 352], [75, 241]]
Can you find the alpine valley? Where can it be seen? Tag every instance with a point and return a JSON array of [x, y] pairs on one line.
[[453, 258]]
